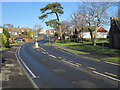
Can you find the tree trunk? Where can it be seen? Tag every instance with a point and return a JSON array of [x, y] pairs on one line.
[[93, 39]]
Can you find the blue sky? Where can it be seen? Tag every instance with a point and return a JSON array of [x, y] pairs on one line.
[[25, 14]]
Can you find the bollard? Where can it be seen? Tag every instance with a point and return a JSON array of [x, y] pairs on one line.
[[36, 45]]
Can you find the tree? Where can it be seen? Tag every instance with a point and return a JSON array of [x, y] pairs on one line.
[[53, 8], [94, 15], [6, 33], [37, 28], [4, 39], [30, 34], [78, 23]]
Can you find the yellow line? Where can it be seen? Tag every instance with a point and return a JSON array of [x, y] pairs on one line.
[[113, 63], [110, 74], [91, 68]]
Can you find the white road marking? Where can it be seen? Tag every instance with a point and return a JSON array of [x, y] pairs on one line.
[[70, 63], [106, 76], [44, 52], [33, 75], [52, 56], [38, 50], [59, 57]]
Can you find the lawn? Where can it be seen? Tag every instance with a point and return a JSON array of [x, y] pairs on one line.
[[88, 41], [74, 51], [87, 46], [97, 48], [112, 59], [3, 48]]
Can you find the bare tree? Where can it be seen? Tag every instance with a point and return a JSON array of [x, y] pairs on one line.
[[37, 28], [78, 23], [94, 14]]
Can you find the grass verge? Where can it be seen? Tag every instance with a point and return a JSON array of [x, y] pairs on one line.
[[3, 48], [74, 51], [99, 49]]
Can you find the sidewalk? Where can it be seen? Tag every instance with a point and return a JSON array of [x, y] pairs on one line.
[[13, 75]]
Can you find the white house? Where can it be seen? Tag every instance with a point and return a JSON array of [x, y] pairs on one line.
[[42, 31], [101, 33]]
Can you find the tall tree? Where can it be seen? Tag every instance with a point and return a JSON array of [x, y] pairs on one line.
[[53, 8], [95, 14]]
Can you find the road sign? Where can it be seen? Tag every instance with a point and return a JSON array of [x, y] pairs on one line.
[[36, 36]]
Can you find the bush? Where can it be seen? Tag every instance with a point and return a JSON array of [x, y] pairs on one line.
[[4, 39]]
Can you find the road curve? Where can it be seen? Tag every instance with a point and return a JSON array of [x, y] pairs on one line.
[[48, 71]]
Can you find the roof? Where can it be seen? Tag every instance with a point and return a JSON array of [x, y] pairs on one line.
[[101, 29], [14, 29], [24, 29]]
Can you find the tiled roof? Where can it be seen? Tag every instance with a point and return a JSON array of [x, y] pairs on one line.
[[101, 29], [24, 29]]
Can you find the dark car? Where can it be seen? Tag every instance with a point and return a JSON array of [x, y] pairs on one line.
[[19, 39]]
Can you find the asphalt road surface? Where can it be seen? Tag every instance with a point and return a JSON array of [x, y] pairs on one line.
[[53, 68]]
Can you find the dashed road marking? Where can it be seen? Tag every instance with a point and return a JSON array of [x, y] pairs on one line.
[[106, 76], [113, 63], [111, 74], [91, 68], [52, 56], [44, 52], [38, 50], [60, 57], [70, 63]]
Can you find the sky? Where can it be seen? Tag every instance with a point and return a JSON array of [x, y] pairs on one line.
[[25, 14]]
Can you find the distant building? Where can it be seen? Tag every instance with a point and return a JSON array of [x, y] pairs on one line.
[[50, 32], [14, 31], [42, 31], [114, 33], [101, 33], [24, 29], [1, 30]]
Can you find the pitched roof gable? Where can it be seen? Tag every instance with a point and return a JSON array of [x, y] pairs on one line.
[[101, 29]]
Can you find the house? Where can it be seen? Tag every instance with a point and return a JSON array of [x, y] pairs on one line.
[[24, 29], [50, 32], [42, 31], [114, 33], [101, 33], [14, 31]]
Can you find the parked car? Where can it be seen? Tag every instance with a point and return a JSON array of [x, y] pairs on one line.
[[19, 39]]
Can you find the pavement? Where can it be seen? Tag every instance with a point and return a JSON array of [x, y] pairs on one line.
[[12, 73]]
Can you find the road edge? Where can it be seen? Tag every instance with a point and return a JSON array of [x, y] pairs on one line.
[[35, 86]]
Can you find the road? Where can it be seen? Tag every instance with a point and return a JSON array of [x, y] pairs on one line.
[[53, 68]]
